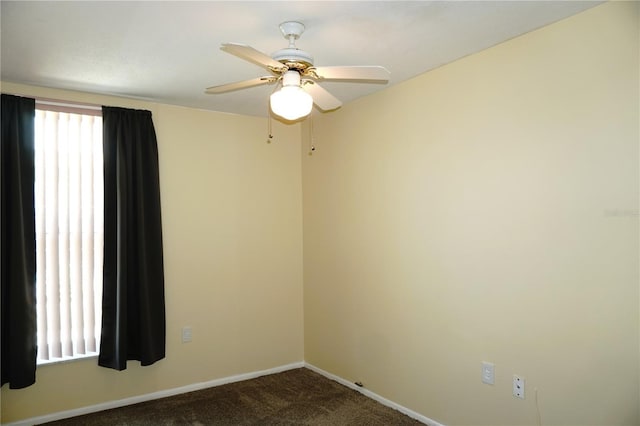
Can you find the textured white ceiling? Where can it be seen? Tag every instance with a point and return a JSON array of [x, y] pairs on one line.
[[169, 51]]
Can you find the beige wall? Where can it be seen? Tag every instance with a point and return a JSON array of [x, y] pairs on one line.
[[232, 224], [486, 211]]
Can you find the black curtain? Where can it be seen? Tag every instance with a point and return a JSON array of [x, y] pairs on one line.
[[18, 250], [133, 306]]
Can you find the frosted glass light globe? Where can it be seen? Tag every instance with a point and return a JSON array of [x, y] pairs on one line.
[[291, 103]]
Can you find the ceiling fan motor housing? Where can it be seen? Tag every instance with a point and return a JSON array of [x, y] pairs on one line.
[[294, 58]]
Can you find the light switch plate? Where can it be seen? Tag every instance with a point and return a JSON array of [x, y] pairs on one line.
[[488, 373], [186, 334]]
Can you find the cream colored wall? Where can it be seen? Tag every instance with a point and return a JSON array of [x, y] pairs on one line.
[[486, 211], [232, 225]]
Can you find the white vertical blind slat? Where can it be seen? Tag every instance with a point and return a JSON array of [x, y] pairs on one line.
[[64, 258], [52, 287], [75, 237], [98, 228], [39, 197], [86, 173]]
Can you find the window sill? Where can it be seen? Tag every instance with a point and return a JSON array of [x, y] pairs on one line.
[[67, 359]]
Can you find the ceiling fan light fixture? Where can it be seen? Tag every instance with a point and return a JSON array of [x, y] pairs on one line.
[[291, 102]]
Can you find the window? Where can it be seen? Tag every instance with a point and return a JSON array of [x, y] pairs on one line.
[[69, 231]]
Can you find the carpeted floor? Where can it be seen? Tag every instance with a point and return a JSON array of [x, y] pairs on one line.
[[294, 397]]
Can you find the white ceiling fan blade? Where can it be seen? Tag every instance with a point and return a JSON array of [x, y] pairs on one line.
[[252, 55], [364, 74], [229, 87], [323, 99]]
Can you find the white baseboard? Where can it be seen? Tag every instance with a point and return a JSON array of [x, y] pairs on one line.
[[218, 382], [151, 396], [374, 396]]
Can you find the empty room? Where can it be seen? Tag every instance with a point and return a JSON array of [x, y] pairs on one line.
[[429, 205]]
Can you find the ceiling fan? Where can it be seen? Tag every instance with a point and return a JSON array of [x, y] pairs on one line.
[[293, 69]]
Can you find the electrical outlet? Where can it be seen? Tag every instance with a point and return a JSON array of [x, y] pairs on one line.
[[488, 375], [186, 334], [518, 386]]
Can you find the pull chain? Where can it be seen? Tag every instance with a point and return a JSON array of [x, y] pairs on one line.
[[270, 117], [312, 146], [269, 132]]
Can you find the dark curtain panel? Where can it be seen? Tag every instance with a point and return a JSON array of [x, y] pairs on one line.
[[133, 308], [18, 236]]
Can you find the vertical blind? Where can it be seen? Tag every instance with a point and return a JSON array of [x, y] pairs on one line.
[[69, 233]]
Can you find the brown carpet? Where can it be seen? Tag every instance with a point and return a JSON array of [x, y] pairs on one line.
[[294, 397]]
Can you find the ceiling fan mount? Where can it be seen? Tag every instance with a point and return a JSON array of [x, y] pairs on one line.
[[283, 62], [292, 30]]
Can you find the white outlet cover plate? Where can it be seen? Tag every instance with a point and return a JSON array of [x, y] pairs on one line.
[[518, 386]]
